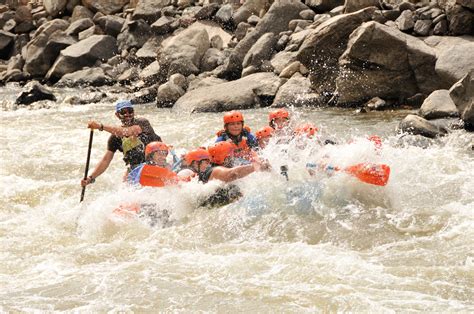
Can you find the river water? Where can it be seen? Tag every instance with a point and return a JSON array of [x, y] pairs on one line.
[[310, 244]]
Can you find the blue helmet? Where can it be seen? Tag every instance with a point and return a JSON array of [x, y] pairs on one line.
[[123, 104]]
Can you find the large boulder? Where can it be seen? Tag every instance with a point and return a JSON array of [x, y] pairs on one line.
[[83, 54], [275, 21], [106, 7], [454, 57], [382, 61], [33, 92], [86, 77], [149, 10], [462, 93], [322, 48], [38, 60], [438, 105], [417, 125], [253, 90], [262, 50], [183, 52], [55, 7], [296, 92]]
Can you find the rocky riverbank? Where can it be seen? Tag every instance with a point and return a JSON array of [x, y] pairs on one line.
[[217, 55]]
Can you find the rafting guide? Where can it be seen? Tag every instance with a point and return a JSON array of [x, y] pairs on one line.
[[130, 138]]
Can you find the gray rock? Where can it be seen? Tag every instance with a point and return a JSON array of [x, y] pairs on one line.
[[441, 28], [93, 30], [33, 92], [224, 15], [111, 24], [438, 105], [416, 125], [163, 25], [262, 50], [462, 93], [384, 62], [253, 20], [241, 30], [439, 18], [150, 74], [248, 92], [83, 54], [466, 3], [147, 53], [212, 59], [78, 26], [293, 25], [405, 21], [322, 48], [276, 20], [454, 58], [423, 27], [168, 94], [37, 59], [81, 12], [299, 37], [376, 103], [201, 82], [405, 5], [55, 7], [216, 42], [134, 35], [249, 8], [296, 92], [356, 5], [282, 42], [281, 60], [145, 95], [128, 76], [207, 12], [106, 7], [184, 52], [391, 15], [461, 20], [86, 77], [290, 69], [307, 14]]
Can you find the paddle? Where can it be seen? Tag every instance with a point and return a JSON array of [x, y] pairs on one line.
[[376, 174], [91, 136]]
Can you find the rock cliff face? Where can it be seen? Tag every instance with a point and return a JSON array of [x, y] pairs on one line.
[[215, 55]]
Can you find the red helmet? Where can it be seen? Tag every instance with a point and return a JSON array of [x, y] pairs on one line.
[[155, 146], [307, 128], [220, 151], [264, 132], [279, 113], [233, 116], [196, 155]]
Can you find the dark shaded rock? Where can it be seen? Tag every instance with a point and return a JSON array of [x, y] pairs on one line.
[[322, 48], [163, 25], [356, 5], [281, 60], [323, 5], [212, 59], [253, 90], [461, 21], [405, 5], [438, 105], [147, 54], [111, 24], [307, 14], [376, 103], [441, 28], [423, 27], [207, 12], [145, 95], [241, 30], [78, 26], [93, 30], [168, 94], [406, 21], [466, 3], [33, 92], [262, 50], [81, 12], [6, 44], [224, 16], [135, 34], [151, 73], [416, 125]]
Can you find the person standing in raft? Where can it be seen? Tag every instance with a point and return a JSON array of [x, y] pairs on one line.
[[236, 133], [130, 138]]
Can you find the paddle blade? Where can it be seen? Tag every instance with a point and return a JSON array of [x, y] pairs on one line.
[[157, 176], [370, 173]]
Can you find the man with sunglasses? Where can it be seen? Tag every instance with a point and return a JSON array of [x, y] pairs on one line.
[[130, 138]]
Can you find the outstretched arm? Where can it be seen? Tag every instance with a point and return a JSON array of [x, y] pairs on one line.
[[231, 174], [100, 168], [119, 131]]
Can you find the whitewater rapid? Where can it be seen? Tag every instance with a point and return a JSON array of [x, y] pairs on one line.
[[310, 244]]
